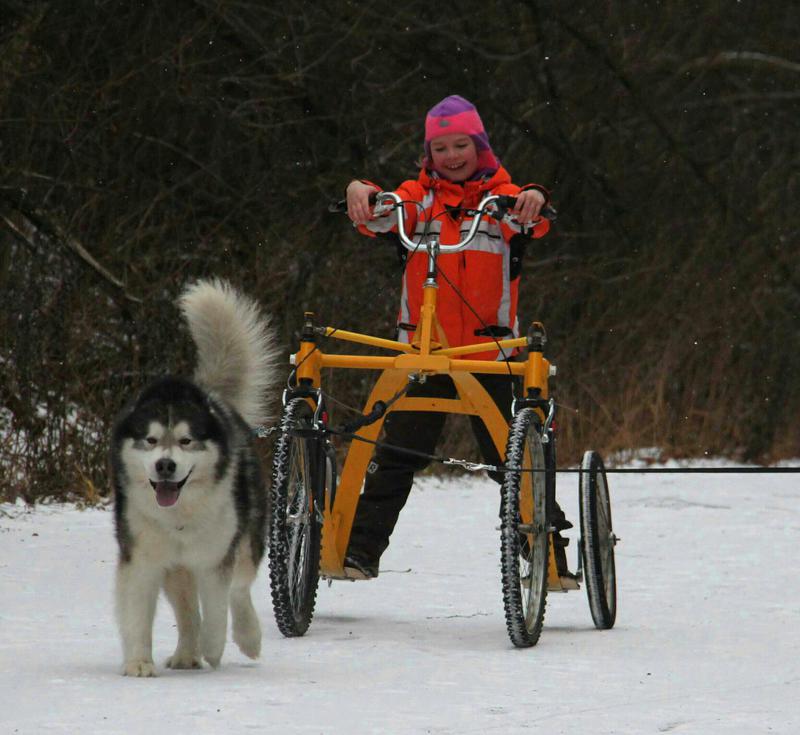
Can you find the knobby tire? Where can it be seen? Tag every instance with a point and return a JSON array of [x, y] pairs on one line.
[[524, 549], [295, 528]]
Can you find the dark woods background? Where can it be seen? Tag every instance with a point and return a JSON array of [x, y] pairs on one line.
[[147, 144]]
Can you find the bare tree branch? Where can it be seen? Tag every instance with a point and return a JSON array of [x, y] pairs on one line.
[[732, 57], [32, 230]]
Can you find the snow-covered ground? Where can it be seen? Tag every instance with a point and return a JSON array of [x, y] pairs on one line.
[[707, 637]]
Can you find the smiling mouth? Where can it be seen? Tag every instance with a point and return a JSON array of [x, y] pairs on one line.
[[167, 492]]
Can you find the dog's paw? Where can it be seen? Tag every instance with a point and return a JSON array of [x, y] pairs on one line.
[[213, 659], [180, 660], [249, 641], [212, 644], [212, 652], [246, 628], [139, 668]]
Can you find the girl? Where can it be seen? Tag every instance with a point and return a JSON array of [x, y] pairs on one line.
[[477, 302]]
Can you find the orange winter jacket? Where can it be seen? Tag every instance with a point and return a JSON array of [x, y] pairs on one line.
[[482, 273]]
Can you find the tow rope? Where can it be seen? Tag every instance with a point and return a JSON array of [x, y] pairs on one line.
[[478, 466]]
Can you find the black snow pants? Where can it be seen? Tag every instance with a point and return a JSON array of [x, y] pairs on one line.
[[390, 474]]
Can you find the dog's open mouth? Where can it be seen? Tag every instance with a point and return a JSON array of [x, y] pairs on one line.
[[167, 492]]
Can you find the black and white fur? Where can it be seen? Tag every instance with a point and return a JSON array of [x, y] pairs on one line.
[[190, 499]]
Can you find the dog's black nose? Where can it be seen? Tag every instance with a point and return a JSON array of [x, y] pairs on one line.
[[165, 467]]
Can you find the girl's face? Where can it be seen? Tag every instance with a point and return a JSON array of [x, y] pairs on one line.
[[454, 156]]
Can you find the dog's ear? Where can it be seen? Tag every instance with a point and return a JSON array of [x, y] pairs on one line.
[[216, 409]]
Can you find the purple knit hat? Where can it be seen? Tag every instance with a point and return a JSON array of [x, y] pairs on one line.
[[454, 115]]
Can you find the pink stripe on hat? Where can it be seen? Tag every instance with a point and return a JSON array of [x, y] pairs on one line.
[[466, 123]]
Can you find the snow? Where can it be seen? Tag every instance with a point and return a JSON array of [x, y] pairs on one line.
[[707, 638]]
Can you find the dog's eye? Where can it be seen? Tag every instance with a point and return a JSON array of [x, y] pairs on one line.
[[151, 440], [185, 441]]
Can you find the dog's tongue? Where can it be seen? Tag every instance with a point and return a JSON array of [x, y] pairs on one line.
[[167, 493]]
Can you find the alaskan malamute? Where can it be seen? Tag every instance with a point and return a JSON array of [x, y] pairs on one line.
[[190, 500]]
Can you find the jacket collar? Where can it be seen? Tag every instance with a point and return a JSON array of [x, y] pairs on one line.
[[466, 190]]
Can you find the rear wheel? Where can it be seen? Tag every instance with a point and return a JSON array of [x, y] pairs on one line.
[[597, 541], [524, 540], [295, 527]]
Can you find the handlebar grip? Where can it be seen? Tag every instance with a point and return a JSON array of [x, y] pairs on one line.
[[340, 207], [549, 212], [505, 202]]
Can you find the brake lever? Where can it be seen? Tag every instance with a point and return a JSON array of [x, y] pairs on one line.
[[340, 207], [501, 212], [549, 212], [381, 209], [504, 203]]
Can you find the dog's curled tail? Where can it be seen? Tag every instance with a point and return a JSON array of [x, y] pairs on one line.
[[237, 353]]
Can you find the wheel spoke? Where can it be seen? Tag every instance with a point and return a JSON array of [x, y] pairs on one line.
[[608, 561], [297, 520], [604, 521]]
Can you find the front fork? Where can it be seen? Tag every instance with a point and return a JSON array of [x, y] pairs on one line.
[[535, 395], [322, 454], [537, 372]]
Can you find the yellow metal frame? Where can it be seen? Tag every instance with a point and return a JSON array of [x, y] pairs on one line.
[[427, 356]]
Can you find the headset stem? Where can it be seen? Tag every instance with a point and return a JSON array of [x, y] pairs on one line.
[[433, 252]]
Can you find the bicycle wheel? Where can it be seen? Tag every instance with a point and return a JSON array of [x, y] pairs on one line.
[[524, 539], [597, 541], [295, 527]]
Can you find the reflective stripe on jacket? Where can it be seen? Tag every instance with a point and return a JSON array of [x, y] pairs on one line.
[[480, 273]]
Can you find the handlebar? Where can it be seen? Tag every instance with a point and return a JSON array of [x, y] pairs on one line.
[[387, 201]]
